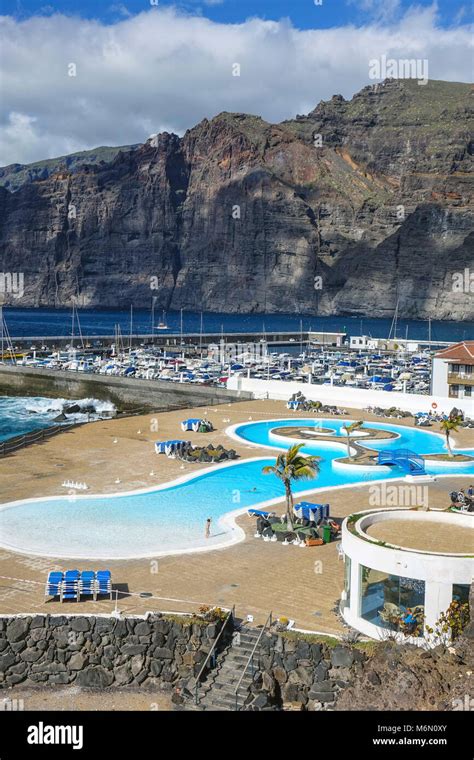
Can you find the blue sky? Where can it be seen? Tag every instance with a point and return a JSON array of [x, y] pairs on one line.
[[304, 14]]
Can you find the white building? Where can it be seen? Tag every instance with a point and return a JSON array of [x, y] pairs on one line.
[[383, 344], [453, 371], [363, 342], [390, 574], [327, 338]]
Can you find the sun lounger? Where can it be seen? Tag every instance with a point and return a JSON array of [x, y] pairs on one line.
[[193, 423], [258, 513], [53, 583], [70, 585], [73, 584], [87, 583], [104, 583]]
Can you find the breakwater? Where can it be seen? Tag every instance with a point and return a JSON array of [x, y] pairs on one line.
[[125, 393]]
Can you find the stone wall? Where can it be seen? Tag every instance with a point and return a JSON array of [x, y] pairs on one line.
[[100, 652], [298, 674]]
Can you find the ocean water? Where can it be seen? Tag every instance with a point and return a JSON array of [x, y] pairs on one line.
[[20, 415], [172, 518], [55, 322]]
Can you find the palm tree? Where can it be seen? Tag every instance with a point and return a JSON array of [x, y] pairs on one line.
[[448, 426], [292, 466], [349, 430]]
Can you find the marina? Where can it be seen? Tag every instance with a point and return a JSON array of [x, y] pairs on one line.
[[315, 358]]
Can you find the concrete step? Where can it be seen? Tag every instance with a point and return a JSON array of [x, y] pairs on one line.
[[223, 704], [220, 692], [233, 677]]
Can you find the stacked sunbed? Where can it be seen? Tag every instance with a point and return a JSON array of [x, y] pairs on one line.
[[74, 584]]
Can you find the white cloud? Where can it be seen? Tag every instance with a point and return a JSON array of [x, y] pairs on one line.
[[163, 70], [377, 9]]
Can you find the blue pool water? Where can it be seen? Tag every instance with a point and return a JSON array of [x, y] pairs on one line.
[[172, 519]]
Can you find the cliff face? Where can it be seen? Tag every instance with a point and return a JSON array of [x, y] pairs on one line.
[[241, 215]]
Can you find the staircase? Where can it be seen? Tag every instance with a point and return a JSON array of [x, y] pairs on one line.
[[218, 693]]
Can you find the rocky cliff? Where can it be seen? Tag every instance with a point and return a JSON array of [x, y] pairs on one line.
[[372, 195]]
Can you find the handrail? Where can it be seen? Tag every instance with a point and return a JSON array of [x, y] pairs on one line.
[[267, 623], [20, 441], [230, 615]]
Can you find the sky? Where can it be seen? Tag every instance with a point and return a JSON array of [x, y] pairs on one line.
[[78, 74]]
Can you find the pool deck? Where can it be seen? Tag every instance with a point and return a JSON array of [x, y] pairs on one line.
[[256, 576]]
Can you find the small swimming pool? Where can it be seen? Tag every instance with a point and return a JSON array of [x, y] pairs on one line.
[[171, 519]]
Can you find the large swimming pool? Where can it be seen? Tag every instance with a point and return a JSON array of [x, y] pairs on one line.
[[171, 519]]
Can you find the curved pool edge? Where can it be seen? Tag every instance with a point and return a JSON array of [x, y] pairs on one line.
[[228, 518], [138, 491]]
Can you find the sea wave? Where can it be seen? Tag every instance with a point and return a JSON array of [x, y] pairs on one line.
[[24, 414], [61, 405]]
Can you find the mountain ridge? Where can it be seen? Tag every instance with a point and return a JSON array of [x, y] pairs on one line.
[[373, 195]]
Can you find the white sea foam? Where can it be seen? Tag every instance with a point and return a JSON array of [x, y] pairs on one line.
[[59, 405]]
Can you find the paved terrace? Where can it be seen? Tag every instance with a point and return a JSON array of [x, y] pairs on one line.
[[256, 576]]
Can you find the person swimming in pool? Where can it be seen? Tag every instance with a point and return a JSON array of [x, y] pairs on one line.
[[208, 527]]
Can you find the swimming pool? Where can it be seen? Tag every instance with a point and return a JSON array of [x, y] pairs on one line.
[[171, 519]]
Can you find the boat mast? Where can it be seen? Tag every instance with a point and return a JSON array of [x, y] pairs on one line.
[[200, 335], [79, 329], [153, 300], [5, 336], [393, 326]]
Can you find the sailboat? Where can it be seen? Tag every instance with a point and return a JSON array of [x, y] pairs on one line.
[[162, 325], [393, 326]]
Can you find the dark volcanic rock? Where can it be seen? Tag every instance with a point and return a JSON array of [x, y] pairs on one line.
[[221, 216], [94, 677]]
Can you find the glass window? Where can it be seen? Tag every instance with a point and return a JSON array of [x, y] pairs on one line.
[[347, 579], [461, 592], [391, 601]]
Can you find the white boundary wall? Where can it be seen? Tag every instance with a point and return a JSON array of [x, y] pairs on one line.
[[357, 398]]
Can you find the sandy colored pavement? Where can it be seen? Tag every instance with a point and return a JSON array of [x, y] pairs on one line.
[[57, 698], [302, 584], [431, 536]]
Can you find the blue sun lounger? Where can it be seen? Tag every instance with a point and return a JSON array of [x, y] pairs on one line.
[[258, 513], [192, 423], [73, 584], [53, 583], [87, 583], [316, 512], [104, 583], [70, 585]]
